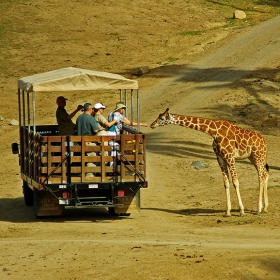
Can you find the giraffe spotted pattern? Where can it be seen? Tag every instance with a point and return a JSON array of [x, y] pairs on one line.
[[230, 143]]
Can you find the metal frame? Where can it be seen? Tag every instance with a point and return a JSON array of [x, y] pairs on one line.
[[132, 105]]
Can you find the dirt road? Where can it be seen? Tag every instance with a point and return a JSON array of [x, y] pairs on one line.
[[180, 232]]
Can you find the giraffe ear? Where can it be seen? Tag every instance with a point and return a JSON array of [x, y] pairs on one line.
[[167, 109]]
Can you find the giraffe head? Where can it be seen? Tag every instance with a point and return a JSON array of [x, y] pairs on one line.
[[163, 119]]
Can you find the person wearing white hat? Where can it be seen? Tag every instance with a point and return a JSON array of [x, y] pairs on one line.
[[118, 115], [102, 122], [64, 120]]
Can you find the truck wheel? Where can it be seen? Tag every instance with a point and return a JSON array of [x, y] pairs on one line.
[[113, 213], [35, 204], [124, 214], [27, 194]]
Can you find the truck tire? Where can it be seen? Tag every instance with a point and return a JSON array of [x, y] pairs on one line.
[[27, 194], [35, 204], [112, 212]]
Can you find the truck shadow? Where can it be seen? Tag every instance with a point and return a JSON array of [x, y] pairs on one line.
[[194, 211], [14, 210]]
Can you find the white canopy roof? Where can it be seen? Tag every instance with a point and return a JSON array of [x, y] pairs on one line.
[[72, 79]]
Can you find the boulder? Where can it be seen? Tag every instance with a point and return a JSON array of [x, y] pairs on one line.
[[199, 165], [140, 71], [237, 14], [14, 122]]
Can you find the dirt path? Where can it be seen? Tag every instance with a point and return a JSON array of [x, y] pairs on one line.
[[180, 232], [221, 70]]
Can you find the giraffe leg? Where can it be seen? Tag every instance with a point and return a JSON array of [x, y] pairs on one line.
[[265, 195], [263, 198], [265, 187], [225, 164], [224, 169], [226, 184], [262, 170], [236, 186], [260, 204], [241, 207]]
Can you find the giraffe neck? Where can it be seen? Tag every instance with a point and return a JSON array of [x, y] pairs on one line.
[[205, 125]]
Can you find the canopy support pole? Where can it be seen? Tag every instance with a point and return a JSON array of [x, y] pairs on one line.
[[138, 109]]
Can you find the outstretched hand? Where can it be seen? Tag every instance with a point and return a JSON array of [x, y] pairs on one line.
[[80, 107]]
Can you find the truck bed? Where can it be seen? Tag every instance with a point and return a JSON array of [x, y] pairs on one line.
[[52, 159]]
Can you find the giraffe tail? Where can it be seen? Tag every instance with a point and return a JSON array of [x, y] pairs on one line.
[[267, 167]]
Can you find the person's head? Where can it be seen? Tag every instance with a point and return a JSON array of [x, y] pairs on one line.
[[120, 107], [99, 107], [88, 108], [61, 101]]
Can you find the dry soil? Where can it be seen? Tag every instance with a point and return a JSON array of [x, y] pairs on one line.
[[228, 70]]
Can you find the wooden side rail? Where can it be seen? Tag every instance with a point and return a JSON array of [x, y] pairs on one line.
[[91, 158]]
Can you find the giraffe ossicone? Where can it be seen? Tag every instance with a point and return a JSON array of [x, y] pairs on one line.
[[230, 142]]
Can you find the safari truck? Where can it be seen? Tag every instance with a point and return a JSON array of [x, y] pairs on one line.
[[53, 168]]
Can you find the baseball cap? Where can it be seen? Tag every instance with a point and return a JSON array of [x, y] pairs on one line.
[[61, 98], [99, 105]]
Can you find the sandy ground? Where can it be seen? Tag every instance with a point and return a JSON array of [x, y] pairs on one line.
[[227, 72]]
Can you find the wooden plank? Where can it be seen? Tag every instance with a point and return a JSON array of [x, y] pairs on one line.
[[51, 150]]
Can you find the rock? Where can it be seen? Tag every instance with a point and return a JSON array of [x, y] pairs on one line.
[[14, 122], [1, 118], [199, 165], [237, 14], [140, 71]]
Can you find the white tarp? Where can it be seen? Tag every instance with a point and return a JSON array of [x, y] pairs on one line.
[[72, 79]]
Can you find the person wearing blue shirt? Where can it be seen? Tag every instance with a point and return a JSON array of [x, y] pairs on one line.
[[85, 123]]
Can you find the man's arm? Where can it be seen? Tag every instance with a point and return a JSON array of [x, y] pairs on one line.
[[105, 122], [109, 124], [79, 108], [128, 122], [94, 125]]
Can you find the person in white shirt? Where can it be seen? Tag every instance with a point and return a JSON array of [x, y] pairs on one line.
[[118, 115], [102, 122]]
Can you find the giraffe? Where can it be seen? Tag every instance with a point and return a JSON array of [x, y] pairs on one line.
[[230, 143]]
